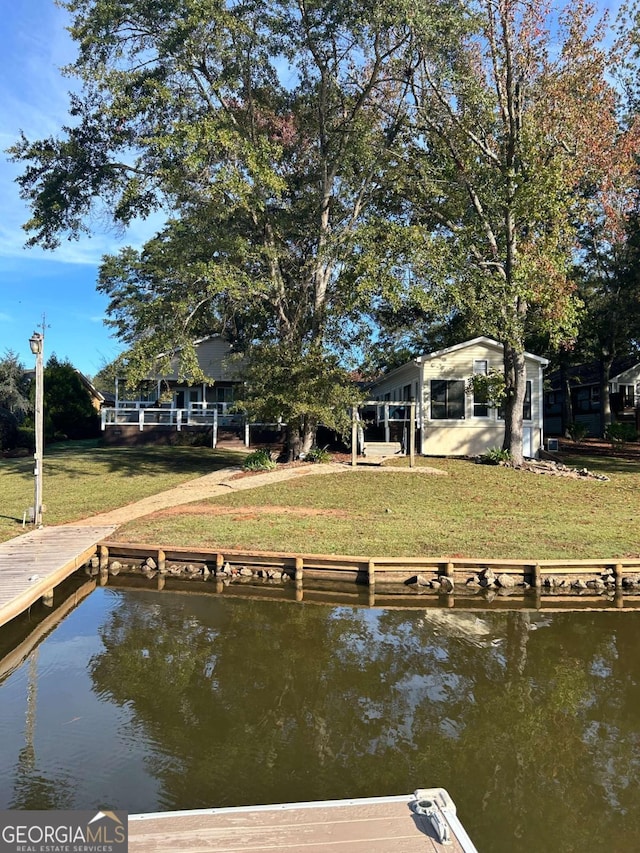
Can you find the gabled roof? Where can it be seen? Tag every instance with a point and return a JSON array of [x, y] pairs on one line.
[[481, 339]]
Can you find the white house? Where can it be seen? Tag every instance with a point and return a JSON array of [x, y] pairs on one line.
[[449, 420]]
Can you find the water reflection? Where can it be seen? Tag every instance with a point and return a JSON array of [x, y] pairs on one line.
[[530, 720]]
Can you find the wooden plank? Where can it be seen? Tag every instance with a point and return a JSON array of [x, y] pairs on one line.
[[33, 564], [361, 827]]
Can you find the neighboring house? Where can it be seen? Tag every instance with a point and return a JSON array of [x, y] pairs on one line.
[[583, 383], [449, 421], [98, 399], [165, 402]]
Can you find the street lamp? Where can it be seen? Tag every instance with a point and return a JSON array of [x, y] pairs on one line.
[[36, 342]]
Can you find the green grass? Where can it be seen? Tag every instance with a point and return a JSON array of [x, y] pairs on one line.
[[82, 478], [476, 510]]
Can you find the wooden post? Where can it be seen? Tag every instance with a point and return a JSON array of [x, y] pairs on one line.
[[617, 574], [104, 557], [449, 569], [371, 570], [299, 572], [412, 434], [160, 581], [104, 577], [47, 598], [299, 594], [219, 562], [214, 429], [162, 560], [537, 576], [372, 596], [354, 437]]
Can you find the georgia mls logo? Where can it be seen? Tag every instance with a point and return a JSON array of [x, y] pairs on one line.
[[63, 832]]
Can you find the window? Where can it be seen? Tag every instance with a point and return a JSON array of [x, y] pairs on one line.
[[526, 405], [480, 365], [447, 399]]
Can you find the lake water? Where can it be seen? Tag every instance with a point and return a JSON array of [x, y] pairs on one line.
[[150, 701]]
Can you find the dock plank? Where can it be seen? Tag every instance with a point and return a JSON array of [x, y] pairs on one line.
[[358, 827], [33, 564]]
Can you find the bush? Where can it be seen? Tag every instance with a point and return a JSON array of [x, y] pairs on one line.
[[318, 454], [259, 460], [494, 456], [577, 432], [8, 429], [26, 437], [620, 433]]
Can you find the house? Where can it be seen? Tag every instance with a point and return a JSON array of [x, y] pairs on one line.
[[583, 383], [450, 420], [167, 404]]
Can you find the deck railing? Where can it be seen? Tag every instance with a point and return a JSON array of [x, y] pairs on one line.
[[145, 415]]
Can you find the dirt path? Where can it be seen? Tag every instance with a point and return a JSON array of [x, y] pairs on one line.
[[224, 481]]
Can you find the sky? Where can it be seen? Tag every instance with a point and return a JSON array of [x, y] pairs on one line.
[[54, 289], [58, 286]]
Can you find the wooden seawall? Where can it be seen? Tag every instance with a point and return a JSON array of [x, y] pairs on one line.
[[445, 574]]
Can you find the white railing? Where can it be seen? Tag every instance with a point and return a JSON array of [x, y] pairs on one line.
[[143, 415]]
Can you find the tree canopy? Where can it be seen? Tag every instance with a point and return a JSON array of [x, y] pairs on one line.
[[320, 165]]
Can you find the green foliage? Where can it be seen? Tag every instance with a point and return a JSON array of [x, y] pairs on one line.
[[14, 385], [68, 411], [318, 455], [488, 388], [259, 460], [26, 437], [494, 456], [619, 433], [577, 431], [8, 429]]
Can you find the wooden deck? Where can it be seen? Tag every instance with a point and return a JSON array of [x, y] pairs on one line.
[[372, 825], [32, 565]]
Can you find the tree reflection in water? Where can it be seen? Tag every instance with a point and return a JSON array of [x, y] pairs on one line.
[[530, 722]]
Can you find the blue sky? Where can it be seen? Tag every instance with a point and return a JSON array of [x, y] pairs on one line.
[[33, 283], [58, 286]]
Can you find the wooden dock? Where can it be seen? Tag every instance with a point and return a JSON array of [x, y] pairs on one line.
[[369, 825], [31, 566]]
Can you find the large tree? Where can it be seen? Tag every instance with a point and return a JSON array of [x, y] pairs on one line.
[[262, 132], [515, 124]]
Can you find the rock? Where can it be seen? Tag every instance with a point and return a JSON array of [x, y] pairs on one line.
[[473, 582], [579, 584], [596, 584], [149, 573], [115, 568], [205, 572], [488, 575], [506, 581], [151, 563], [246, 572], [175, 569], [276, 575], [422, 580], [435, 584], [94, 562], [628, 583]]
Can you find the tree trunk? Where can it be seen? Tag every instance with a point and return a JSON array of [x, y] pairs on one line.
[[566, 416], [301, 436], [515, 385], [605, 396]]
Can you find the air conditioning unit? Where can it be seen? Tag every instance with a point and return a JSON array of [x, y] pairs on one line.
[[553, 445]]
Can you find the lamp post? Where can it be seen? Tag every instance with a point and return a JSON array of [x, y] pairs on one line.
[[36, 342]]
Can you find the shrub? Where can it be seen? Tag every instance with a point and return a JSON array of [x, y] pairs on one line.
[[259, 460], [577, 432], [494, 456], [8, 429], [620, 433], [318, 454], [26, 437]]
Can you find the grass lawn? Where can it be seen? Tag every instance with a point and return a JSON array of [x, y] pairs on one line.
[[475, 510], [82, 478]]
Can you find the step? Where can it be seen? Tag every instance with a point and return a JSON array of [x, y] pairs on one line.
[[382, 448]]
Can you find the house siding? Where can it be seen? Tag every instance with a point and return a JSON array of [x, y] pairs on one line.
[[471, 435]]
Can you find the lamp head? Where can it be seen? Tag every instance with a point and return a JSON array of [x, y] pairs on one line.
[[35, 342]]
